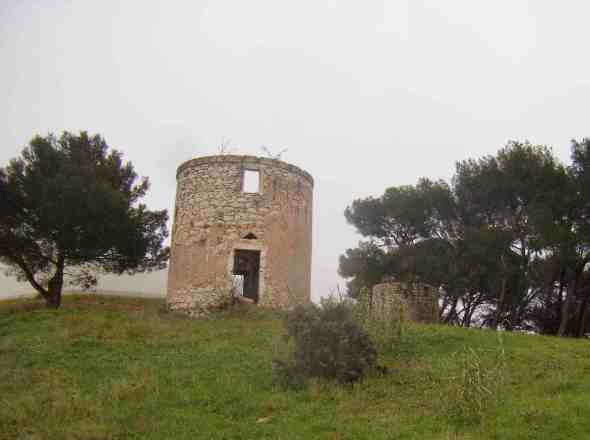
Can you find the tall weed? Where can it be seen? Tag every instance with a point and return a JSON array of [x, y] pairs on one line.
[[478, 383]]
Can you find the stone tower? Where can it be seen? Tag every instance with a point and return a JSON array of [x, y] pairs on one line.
[[242, 230]]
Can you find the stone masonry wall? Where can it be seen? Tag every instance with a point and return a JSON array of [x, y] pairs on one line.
[[212, 218], [419, 302]]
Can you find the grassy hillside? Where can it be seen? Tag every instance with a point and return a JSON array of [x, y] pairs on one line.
[[106, 368]]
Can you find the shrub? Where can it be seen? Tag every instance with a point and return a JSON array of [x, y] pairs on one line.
[[328, 343]]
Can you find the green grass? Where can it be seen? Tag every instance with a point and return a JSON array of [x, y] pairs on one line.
[[122, 368]]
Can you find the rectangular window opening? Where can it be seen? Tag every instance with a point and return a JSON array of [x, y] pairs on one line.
[[251, 181]]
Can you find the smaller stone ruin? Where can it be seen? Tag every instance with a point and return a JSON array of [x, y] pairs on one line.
[[416, 302]]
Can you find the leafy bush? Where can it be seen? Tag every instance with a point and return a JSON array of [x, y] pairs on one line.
[[328, 343]]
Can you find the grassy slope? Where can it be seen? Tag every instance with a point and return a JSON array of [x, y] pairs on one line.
[[106, 367]]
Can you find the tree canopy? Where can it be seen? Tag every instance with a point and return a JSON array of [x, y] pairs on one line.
[[507, 242], [71, 205]]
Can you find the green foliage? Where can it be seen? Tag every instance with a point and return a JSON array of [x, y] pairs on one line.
[[328, 344], [366, 265], [404, 214], [71, 205], [508, 242]]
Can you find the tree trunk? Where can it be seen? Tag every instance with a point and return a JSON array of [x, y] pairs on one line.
[[443, 308], [502, 296], [452, 315], [55, 286], [582, 317], [467, 312], [561, 285], [53, 301], [583, 324], [559, 303], [565, 306]]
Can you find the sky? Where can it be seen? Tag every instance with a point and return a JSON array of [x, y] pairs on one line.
[[363, 95]]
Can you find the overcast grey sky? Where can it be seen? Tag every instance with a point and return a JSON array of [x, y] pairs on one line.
[[364, 94]]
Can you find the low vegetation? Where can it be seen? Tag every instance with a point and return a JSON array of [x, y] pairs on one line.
[[327, 344], [124, 368]]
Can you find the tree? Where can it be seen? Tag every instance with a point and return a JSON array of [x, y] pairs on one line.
[[69, 202], [365, 265], [417, 231], [404, 215], [571, 237], [516, 192], [508, 242]]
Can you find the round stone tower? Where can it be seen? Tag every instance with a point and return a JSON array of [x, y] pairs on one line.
[[242, 231]]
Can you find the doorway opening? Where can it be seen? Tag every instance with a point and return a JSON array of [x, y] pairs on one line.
[[246, 274]]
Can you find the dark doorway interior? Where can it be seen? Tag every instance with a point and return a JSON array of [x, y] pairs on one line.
[[247, 265]]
